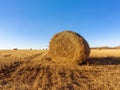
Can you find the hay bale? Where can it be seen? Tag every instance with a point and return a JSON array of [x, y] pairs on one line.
[[68, 46], [15, 49]]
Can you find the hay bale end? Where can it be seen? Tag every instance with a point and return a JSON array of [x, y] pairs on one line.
[[68, 46]]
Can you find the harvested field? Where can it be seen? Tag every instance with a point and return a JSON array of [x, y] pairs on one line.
[[34, 70]]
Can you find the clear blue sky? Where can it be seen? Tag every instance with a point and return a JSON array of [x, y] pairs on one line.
[[32, 23]]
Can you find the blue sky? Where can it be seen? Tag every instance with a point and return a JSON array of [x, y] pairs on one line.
[[32, 23]]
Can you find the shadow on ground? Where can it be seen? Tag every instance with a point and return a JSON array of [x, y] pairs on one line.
[[102, 61]]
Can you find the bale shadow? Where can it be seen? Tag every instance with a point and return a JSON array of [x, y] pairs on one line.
[[102, 61]]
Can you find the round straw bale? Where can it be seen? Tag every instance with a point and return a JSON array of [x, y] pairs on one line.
[[68, 46]]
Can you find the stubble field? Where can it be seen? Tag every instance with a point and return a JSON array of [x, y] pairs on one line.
[[34, 70]]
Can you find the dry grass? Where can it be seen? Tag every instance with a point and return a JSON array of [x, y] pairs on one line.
[[105, 53], [34, 70], [68, 46]]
